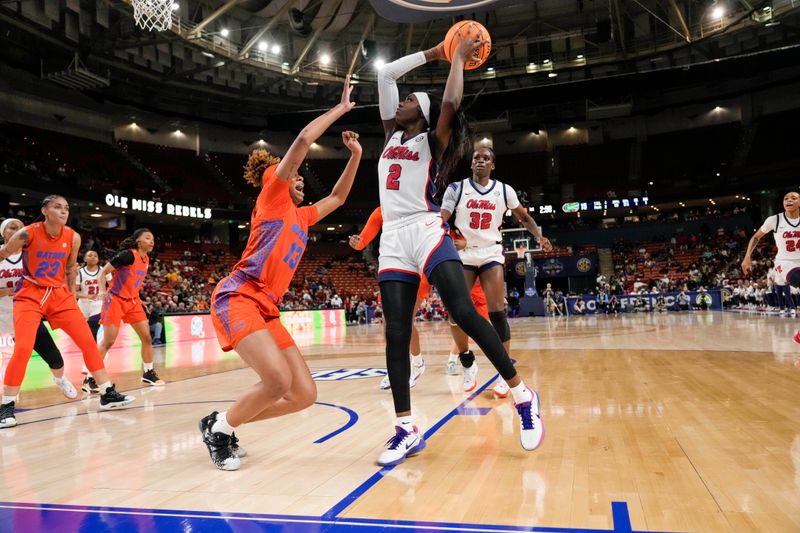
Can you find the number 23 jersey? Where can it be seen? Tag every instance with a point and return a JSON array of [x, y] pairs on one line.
[[44, 257]]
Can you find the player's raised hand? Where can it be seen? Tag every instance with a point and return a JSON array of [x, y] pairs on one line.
[[355, 242], [350, 140], [545, 243], [467, 46], [346, 91]]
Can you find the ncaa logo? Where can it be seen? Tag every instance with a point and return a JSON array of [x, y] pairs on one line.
[[197, 326], [584, 264], [519, 268]]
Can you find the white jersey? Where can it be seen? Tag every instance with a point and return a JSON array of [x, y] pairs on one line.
[[10, 274], [479, 212], [787, 236], [407, 178], [88, 285]]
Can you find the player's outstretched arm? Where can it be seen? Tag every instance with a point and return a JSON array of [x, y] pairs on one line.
[[342, 188], [454, 89], [313, 131], [747, 262], [388, 95], [370, 231], [527, 221]]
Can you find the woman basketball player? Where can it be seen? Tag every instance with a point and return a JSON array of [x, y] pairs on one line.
[[49, 253], [361, 241], [244, 307], [785, 228], [122, 303], [479, 204], [90, 302], [10, 274], [421, 147]]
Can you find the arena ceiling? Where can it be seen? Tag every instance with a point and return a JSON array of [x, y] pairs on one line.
[[239, 61]]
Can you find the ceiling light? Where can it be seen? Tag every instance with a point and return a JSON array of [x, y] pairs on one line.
[[175, 6], [95, 215], [224, 32], [552, 75], [580, 56], [276, 49], [331, 228], [546, 62], [207, 54], [241, 226], [649, 182], [718, 12], [379, 63], [325, 59], [262, 46], [285, 63], [490, 69]]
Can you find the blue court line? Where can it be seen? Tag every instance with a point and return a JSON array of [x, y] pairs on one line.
[[35, 516], [350, 423], [359, 491], [622, 520], [353, 415]]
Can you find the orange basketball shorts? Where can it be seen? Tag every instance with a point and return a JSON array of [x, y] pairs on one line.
[[424, 290], [239, 308], [479, 299], [117, 309]]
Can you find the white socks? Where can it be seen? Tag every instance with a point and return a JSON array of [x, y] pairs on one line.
[[148, 366], [521, 393], [406, 422], [452, 358], [221, 425], [105, 386], [8, 399]]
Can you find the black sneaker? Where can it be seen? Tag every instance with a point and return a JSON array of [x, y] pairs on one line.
[[90, 386], [151, 378], [219, 445], [238, 450], [7, 418], [111, 399]]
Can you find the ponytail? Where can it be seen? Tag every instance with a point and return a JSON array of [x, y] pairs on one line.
[[130, 242], [460, 141]]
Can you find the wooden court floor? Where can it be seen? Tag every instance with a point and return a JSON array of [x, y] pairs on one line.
[[677, 422]]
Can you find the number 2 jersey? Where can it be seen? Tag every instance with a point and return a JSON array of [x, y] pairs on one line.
[[278, 237], [787, 236], [407, 177], [44, 257]]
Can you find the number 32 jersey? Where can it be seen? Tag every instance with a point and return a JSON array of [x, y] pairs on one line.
[[44, 257], [407, 177]]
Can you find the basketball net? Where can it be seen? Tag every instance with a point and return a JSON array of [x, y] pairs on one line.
[[521, 252], [153, 15]]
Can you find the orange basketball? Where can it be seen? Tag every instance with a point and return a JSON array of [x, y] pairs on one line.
[[453, 37]]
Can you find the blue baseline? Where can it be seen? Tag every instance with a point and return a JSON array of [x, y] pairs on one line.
[[69, 518]]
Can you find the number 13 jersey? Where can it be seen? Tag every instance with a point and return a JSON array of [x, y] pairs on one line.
[[407, 177]]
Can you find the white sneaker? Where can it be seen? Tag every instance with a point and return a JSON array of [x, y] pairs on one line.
[[500, 389], [531, 428], [403, 444], [66, 387], [471, 377], [416, 372], [385, 385], [452, 368]]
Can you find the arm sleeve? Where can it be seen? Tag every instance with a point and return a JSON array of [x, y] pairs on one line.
[[122, 259], [511, 197], [388, 97], [450, 196], [370, 231], [768, 225]]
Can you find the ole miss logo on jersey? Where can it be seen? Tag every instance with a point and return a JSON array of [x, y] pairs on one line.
[[400, 152], [481, 204]]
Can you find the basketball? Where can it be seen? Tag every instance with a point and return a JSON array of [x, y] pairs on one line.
[[453, 37]]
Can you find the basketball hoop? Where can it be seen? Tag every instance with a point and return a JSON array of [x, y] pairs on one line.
[[153, 15], [521, 252]]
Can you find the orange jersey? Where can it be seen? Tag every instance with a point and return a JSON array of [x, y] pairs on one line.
[[128, 277], [278, 237], [44, 258]]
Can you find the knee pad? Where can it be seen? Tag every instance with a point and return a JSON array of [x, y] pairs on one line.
[[500, 323], [793, 278]]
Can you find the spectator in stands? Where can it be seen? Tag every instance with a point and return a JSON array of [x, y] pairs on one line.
[[336, 302], [513, 302], [613, 306], [579, 307]]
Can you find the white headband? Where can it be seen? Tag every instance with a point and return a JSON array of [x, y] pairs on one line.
[[4, 224], [424, 102]]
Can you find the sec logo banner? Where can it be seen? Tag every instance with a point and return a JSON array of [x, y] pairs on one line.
[[420, 10]]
